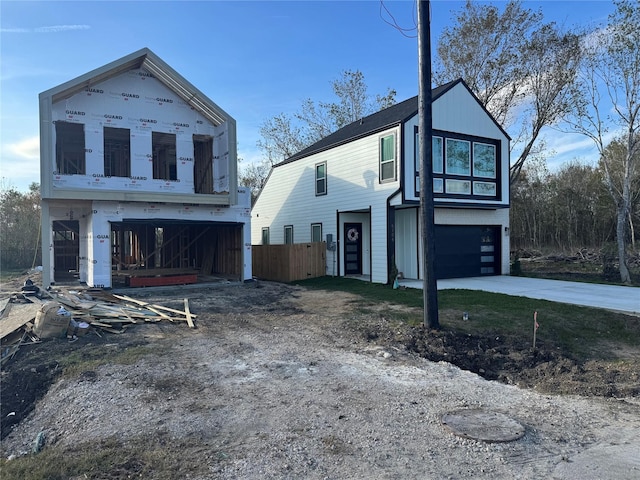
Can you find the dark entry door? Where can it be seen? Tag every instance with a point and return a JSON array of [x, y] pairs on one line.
[[353, 248]]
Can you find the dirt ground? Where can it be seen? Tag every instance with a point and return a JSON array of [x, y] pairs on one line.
[[278, 381]]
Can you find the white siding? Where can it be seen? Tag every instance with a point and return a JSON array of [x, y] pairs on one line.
[[407, 242], [458, 112], [353, 185]]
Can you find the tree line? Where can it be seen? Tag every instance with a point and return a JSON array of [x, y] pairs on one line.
[[569, 209]]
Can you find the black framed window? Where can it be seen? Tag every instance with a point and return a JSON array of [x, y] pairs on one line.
[[463, 166]]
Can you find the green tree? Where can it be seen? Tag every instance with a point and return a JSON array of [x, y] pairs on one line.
[[606, 97], [20, 227], [520, 68]]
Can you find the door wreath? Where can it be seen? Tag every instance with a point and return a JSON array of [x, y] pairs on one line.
[[352, 235]]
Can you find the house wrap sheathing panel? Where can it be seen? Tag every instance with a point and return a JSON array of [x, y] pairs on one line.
[[141, 103]]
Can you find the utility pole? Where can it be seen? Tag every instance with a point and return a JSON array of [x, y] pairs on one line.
[[430, 287]]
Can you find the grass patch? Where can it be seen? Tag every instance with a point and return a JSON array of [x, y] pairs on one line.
[[86, 359], [158, 457], [580, 332]]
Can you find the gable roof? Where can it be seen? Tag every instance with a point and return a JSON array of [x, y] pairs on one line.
[[143, 58], [393, 115]]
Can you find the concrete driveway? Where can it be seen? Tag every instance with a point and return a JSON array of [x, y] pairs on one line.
[[609, 297]]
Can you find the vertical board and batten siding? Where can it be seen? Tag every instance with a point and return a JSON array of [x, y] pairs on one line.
[[288, 263], [407, 242], [458, 112], [353, 184]]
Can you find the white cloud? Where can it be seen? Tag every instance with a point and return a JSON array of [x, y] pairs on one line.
[[61, 28], [46, 29], [28, 148]]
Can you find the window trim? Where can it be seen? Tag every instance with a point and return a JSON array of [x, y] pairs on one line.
[[323, 179], [317, 225], [265, 230], [290, 228], [393, 161]]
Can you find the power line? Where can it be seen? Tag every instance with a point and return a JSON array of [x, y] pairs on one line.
[[394, 23]]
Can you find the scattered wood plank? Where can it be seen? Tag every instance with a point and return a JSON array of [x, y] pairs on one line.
[[17, 315], [188, 313]]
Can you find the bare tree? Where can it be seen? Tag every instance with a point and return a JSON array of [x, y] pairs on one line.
[[612, 65], [284, 135], [519, 67]]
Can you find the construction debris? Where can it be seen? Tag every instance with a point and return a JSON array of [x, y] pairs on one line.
[[33, 314]]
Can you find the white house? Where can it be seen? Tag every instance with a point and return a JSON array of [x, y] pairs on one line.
[[138, 174], [358, 189]]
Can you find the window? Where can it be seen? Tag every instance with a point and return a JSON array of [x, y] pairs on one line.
[[288, 234], [458, 157], [321, 179], [316, 232], [462, 166], [387, 158], [164, 156], [70, 148], [484, 160], [436, 153], [265, 235], [117, 152]]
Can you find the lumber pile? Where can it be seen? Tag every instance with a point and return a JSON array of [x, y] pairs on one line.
[[28, 316]]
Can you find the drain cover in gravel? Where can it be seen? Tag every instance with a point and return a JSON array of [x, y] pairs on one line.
[[483, 425]]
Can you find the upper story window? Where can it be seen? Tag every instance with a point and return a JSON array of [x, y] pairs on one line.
[[265, 235], [117, 152], [321, 179], [458, 154], [387, 158], [164, 156], [70, 148], [462, 166]]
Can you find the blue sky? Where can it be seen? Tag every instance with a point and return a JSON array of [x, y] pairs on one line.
[[254, 59]]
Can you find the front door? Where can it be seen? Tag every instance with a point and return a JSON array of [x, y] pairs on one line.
[[353, 248]]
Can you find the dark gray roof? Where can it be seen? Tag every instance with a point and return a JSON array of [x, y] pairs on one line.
[[395, 114]]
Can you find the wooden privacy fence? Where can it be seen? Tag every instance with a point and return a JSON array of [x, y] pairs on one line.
[[288, 263]]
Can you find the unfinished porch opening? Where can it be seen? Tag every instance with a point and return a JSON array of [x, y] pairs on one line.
[[198, 251]]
